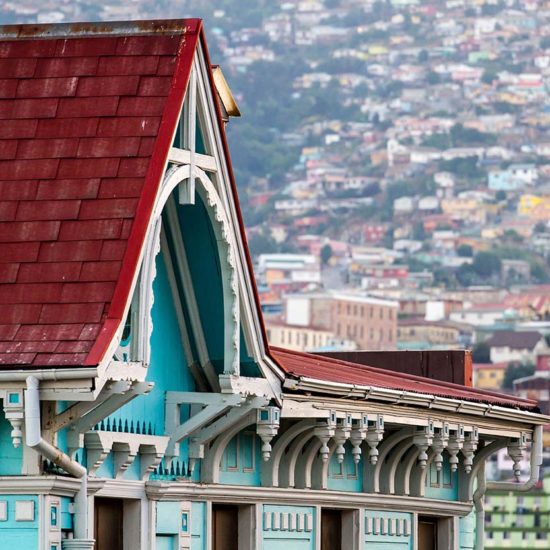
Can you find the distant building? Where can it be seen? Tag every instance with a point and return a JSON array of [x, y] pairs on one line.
[[489, 376], [515, 519], [508, 345], [302, 338]]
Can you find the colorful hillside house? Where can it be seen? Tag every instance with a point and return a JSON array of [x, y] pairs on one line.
[[142, 406]]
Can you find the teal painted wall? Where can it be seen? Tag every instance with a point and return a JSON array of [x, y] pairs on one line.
[[442, 485], [168, 518], [467, 531], [168, 370], [18, 534], [202, 252], [11, 458], [345, 476], [288, 527], [241, 461], [198, 525], [387, 530]]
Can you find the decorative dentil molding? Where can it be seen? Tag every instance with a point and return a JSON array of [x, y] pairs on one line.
[[469, 448], [357, 436], [423, 439], [375, 434], [454, 446], [440, 443], [267, 425]]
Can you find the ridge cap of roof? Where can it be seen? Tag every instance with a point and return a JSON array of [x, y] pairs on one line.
[[400, 375], [102, 28]]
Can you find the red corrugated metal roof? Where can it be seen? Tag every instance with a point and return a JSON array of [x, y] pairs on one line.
[[297, 364], [86, 120]]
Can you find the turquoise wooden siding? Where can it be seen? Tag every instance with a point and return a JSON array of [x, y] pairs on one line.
[[19, 534], [168, 518], [241, 461], [387, 530], [166, 542], [345, 476], [288, 527], [168, 370], [10, 458], [442, 485], [467, 532], [198, 525], [66, 516], [202, 253]]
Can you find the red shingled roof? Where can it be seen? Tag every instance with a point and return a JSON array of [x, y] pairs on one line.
[[87, 117], [306, 365]]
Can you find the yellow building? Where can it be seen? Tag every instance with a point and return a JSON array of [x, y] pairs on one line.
[[534, 207], [489, 376]]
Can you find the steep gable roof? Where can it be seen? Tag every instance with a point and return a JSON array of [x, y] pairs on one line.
[[514, 340], [88, 113]]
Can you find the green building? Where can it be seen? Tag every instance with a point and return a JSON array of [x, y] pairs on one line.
[[518, 520]]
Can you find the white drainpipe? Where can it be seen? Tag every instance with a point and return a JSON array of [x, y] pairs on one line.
[[35, 441], [483, 485]]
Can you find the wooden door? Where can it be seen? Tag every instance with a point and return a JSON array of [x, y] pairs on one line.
[[331, 530], [225, 527], [427, 534], [108, 523]]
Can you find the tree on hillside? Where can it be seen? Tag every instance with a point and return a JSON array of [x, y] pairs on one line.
[[486, 264], [481, 353], [465, 251], [515, 371], [326, 254]]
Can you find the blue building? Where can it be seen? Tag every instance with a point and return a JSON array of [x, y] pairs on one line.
[[142, 406]]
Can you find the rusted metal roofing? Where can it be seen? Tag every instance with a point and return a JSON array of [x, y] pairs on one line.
[[87, 115], [305, 365]]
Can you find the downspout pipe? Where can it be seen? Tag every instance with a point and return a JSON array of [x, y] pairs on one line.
[[483, 485], [34, 440]]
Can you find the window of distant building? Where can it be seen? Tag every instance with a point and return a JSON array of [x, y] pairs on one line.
[[371, 312], [505, 535], [381, 313], [348, 309]]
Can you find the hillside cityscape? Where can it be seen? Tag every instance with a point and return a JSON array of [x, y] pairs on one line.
[[393, 163]]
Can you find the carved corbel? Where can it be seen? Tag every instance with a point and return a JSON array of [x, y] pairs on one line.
[[341, 435], [375, 434], [423, 439], [267, 427], [324, 431], [358, 435], [14, 411], [456, 441], [150, 458], [516, 449], [469, 448], [97, 449], [441, 440], [124, 455]]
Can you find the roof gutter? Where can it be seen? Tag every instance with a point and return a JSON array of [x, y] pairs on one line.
[[49, 374], [403, 397]]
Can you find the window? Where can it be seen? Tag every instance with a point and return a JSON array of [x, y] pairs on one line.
[[381, 313], [505, 535]]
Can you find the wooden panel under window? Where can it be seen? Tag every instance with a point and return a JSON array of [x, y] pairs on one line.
[[108, 523], [331, 529], [427, 534], [225, 527]]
